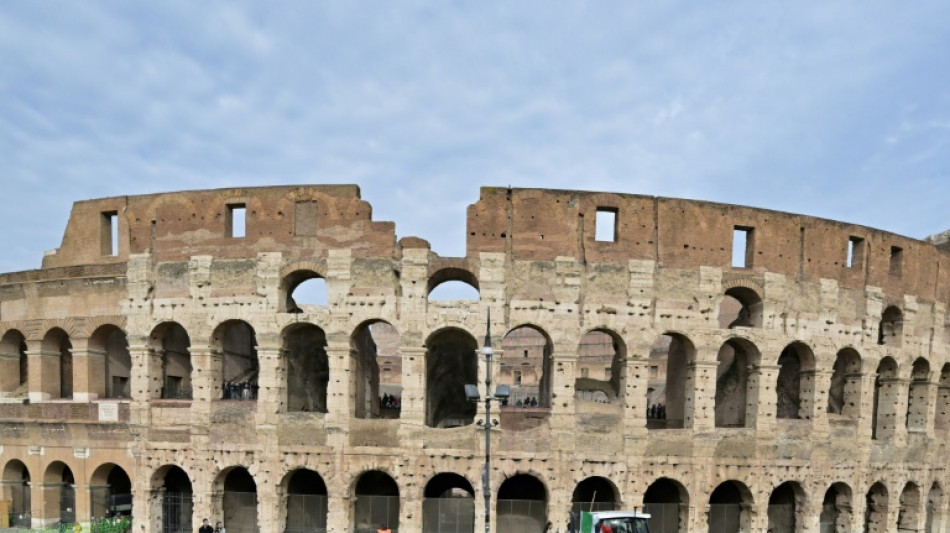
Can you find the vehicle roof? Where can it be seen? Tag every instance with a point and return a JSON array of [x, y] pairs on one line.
[[600, 515]]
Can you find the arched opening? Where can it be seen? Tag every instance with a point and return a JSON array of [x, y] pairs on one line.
[[239, 501], [13, 364], [301, 289], [522, 504], [377, 503], [59, 493], [308, 368], [449, 284], [306, 502], [844, 394], [908, 517], [942, 414], [594, 494], [891, 327], [729, 508], [667, 503], [735, 358], [885, 399], [170, 342], [600, 362], [451, 363], [795, 383], [525, 366], [836, 508], [670, 372], [740, 307], [236, 342], [934, 519], [16, 491], [448, 504], [111, 344], [110, 493], [377, 370], [875, 509], [918, 392], [176, 499], [60, 384], [786, 504]]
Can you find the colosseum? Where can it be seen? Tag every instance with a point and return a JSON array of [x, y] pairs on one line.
[[725, 368]]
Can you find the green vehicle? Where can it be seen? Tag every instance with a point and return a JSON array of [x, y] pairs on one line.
[[614, 522]]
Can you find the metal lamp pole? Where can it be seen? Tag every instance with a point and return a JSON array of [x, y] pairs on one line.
[[487, 352]]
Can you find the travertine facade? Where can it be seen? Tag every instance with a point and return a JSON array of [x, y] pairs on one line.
[[160, 351]]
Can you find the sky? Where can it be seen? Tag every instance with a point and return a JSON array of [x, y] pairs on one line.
[[839, 110]]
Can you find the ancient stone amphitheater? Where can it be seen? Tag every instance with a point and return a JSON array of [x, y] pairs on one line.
[[727, 368]]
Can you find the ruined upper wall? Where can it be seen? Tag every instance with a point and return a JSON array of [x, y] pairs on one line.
[[541, 225], [301, 221]]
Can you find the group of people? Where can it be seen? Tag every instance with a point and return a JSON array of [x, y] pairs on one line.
[[390, 401], [206, 527], [531, 401], [657, 411], [244, 390]]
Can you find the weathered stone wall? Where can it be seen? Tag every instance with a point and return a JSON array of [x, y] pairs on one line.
[[877, 329]]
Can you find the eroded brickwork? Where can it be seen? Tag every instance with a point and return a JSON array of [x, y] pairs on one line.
[[159, 362]]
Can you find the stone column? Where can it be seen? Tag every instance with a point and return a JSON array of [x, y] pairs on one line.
[[44, 373], [45, 503], [144, 382], [864, 411], [267, 509], [272, 382], [931, 391], [563, 416], [339, 509], [410, 511], [761, 398], [89, 373], [942, 410], [817, 408], [339, 392], [891, 411], [635, 400], [206, 387], [700, 408]]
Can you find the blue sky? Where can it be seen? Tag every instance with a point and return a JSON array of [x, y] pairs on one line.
[[833, 109]]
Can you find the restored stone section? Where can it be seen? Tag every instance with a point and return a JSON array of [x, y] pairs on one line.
[[172, 372]]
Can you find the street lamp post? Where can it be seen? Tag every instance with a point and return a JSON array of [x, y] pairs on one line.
[[501, 394]]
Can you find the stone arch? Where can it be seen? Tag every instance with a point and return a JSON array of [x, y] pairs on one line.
[[836, 508], [522, 504], [170, 342], [526, 365], [886, 384], [933, 521], [595, 493], [376, 367], [918, 395], [844, 393], [448, 503], [377, 501], [786, 509], [730, 506], [236, 343], [666, 500], [795, 383], [238, 490], [109, 344], [17, 491], [942, 414], [451, 363], [601, 358], [741, 306], [59, 493], [670, 371], [110, 492], [736, 356], [14, 364], [875, 509], [60, 383], [908, 517], [306, 500], [172, 502], [303, 346], [891, 327], [293, 277], [449, 275]]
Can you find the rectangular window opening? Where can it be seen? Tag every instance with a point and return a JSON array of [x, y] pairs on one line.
[[236, 223], [855, 252], [742, 249], [109, 233], [606, 225], [517, 377], [897, 259]]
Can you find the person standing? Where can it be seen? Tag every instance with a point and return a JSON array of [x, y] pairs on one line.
[[219, 528], [205, 527]]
